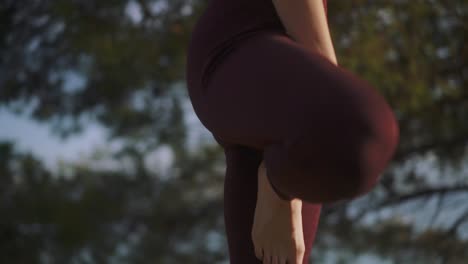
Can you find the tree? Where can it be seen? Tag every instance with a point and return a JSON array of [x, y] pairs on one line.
[[120, 63]]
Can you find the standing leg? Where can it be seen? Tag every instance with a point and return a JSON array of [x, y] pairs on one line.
[[326, 135], [240, 196]]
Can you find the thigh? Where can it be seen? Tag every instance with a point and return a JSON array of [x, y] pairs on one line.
[[270, 87]]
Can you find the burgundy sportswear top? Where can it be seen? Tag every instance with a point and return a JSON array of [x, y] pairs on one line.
[[222, 25]]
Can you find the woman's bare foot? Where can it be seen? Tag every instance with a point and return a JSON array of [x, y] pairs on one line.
[[277, 229]]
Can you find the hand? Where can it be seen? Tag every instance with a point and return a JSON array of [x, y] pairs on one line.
[[277, 232]]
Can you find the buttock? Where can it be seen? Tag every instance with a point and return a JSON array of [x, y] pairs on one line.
[[267, 83], [219, 54], [267, 58]]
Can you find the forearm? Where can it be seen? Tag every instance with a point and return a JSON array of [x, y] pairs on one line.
[[306, 22]]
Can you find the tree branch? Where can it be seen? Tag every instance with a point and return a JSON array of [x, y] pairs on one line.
[[411, 196], [457, 224]]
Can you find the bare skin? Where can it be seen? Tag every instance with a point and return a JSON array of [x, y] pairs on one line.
[[277, 232], [306, 22]]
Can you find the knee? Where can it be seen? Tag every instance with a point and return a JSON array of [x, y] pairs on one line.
[[355, 183], [353, 160], [345, 160], [369, 157]]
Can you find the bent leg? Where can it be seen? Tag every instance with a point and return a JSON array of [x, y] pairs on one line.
[[240, 197], [326, 134]]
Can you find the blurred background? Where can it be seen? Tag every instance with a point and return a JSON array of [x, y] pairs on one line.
[[102, 159]]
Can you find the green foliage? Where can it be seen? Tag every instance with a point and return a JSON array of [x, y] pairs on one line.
[[126, 77], [106, 215], [125, 67], [414, 53]]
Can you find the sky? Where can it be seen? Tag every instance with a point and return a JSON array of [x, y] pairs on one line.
[[30, 135], [38, 138]]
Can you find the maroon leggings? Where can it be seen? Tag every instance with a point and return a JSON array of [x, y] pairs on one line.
[[324, 133], [240, 196]]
